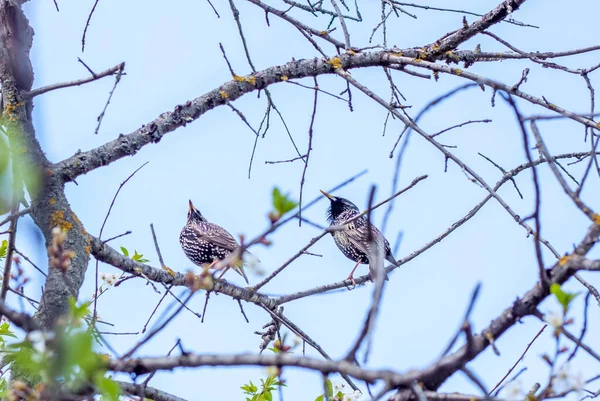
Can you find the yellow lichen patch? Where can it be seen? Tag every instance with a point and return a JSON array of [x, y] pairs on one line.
[[11, 108], [57, 219], [284, 77], [563, 261], [335, 62], [597, 125], [237, 78], [251, 80], [457, 71], [170, 271], [552, 106], [76, 218], [350, 52], [88, 250], [52, 201], [436, 47], [398, 54], [324, 33], [499, 55], [422, 55], [596, 218], [223, 94]]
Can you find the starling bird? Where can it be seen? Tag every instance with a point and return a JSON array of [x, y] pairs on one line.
[[353, 240], [205, 243]]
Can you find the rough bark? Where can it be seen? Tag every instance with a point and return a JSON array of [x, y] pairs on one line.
[[46, 189]]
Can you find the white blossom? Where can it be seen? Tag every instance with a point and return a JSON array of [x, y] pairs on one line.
[[554, 320], [567, 380], [514, 390], [109, 279]]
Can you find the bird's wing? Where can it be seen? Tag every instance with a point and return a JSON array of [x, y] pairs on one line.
[[359, 238], [217, 235]]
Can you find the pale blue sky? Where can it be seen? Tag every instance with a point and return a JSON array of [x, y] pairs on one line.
[[172, 55]]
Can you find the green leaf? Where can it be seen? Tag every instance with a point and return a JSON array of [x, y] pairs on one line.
[[5, 330], [329, 388], [282, 202], [3, 388], [78, 312], [26, 359], [138, 257], [564, 298], [3, 249], [79, 358], [320, 398], [107, 387], [125, 251]]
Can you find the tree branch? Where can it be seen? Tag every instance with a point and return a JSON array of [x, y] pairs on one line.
[[38, 91]]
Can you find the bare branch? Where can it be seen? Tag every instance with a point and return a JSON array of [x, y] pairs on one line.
[[77, 82]]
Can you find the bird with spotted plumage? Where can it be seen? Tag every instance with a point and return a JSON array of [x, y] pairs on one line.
[[353, 240], [205, 243]]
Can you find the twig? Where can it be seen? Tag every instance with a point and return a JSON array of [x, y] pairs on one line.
[[30, 262], [512, 179], [461, 125], [77, 82], [590, 287], [465, 321], [451, 10], [205, 305], [154, 311], [536, 185], [87, 24], [129, 353], [310, 138], [584, 327], [242, 310], [151, 375], [343, 24], [116, 236], [576, 199], [517, 362], [306, 338], [160, 258], [12, 216], [112, 203], [12, 236], [110, 95]]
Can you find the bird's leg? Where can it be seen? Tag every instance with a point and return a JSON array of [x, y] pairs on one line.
[[206, 267], [351, 276]]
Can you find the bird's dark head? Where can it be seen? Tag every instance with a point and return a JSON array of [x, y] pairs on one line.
[[340, 206], [194, 214]]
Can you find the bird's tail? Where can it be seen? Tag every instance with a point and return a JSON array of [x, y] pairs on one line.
[[241, 272], [248, 260], [391, 259]]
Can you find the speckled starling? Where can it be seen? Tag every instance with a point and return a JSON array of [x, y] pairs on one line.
[[204, 243], [353, 240]]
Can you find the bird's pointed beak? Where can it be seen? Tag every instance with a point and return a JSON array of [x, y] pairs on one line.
[[330, 197], [192, 208]]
